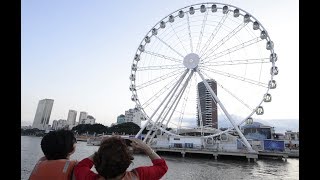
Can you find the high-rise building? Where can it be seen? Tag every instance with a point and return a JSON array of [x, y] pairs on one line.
[[207, 112], [72, 115], [82, 117], [42, 117]]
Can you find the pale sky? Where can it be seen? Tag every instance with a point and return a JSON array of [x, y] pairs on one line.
[[80, 52]]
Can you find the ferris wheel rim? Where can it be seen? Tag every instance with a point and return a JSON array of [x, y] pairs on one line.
[[133, 82]]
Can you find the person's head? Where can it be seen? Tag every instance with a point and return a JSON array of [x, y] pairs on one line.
[[58, 144], [112, 158]]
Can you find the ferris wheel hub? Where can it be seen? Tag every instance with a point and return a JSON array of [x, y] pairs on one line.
[[191, 60]]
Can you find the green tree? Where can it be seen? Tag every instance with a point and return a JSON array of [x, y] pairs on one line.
[[90, 129], [124, 128]]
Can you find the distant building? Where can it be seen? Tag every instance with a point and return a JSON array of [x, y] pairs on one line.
[[54, 124], [82, 117], [134, 115], [59, 124], [129, 115], [290, 135], [90, 120], [207, 112], [42, 117], [72, 115], [258, 131], [121, 119]]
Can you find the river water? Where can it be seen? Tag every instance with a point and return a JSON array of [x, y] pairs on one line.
[[188, 168]]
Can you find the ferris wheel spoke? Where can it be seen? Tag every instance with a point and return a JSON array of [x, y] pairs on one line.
[[223, 40], [202, 29], [237, 98], [232, 49], [236, 62], [180, 113], [171, 94], [169, 107], [232, 94], [163, 56], [183, 107], [214, 33], [169, 47], [180, 93], [236, 77], [225, 111], [162, 67], [178, 98], [158, 79], [179, 40], [155, 111], [161, 91], [190, 37]]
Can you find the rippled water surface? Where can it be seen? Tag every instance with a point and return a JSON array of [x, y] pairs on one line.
[[180, 168]]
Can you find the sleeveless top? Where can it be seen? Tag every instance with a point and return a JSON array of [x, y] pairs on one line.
[[61, 169]]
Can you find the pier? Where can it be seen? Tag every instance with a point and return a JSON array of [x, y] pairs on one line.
[[216, 153]]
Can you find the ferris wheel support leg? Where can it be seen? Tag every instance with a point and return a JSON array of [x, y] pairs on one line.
[[173, 103], [144, 126], [164, 108], [200, 114], [179, 97], [225, 111]]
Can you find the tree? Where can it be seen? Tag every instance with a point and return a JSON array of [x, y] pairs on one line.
[[90, 129], [125, 128]]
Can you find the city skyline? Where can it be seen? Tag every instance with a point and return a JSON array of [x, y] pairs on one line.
[[86, 45]]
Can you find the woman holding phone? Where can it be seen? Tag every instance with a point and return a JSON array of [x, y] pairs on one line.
[[114, 157]]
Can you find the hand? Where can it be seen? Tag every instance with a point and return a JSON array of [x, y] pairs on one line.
[[140, 145]]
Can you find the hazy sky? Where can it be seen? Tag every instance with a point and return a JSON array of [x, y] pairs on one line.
[[79, 53]]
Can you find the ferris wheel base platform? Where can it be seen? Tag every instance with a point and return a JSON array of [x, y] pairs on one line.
[[224, 153]]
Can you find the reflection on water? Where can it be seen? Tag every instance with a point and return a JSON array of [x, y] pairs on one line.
[[179, 168]]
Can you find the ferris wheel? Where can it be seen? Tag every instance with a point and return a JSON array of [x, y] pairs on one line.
[[202, 64]]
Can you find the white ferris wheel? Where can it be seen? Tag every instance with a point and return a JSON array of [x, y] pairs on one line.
[[215, 46]]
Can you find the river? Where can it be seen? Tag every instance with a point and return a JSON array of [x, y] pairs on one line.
[[188, 168]]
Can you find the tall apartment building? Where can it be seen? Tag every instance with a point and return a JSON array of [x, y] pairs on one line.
[[208, 108], [72, 115], [42, 117], [82, 117]]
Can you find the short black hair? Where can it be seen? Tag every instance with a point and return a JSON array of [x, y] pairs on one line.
[[58, 144]]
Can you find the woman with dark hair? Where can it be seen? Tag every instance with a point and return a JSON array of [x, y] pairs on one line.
[[114, 157], [57, 146]]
